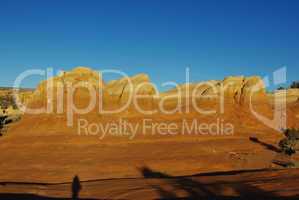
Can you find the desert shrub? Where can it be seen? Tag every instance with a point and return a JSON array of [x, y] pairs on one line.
[[295, 84], [292, 134], [2, 123], [5, 120], [290, 143], [280, 88], [287, 146], [6, 101]]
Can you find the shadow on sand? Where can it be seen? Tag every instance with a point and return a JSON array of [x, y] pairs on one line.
[[194, 189]]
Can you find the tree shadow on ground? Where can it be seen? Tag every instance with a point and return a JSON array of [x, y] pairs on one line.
[[194, 189], [266, 145]]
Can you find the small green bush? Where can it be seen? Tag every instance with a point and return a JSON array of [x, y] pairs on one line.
[[290, 144], [292, 134], [2, 123], [295, 84], [6, 101], [281, 88]]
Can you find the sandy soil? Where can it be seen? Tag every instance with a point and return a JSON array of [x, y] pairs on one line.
[[58, 157]]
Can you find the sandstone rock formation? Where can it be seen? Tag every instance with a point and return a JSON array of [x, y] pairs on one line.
[[77, 81], [120, 89], [235, 88], [115, 93], [290, 95], [79, 75], [237, 91], [293, 94]]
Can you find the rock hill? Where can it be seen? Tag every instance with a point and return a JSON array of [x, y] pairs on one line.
[[233, 107], [237, 89]]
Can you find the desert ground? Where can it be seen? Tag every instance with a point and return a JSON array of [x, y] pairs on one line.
[[179, 167]]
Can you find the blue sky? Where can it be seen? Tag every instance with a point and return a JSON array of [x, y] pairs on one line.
[[160, 38]]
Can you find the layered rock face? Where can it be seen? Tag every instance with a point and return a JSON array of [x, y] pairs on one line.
[[114, 93], [289, 96], [293, 92], [77, 82], [119, 91], [236, 89], [79, 75], [235, 93]]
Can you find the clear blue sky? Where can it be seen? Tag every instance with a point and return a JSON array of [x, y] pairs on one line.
[[161, 38]]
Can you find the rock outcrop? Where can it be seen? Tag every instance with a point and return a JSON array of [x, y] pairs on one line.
[[122, 88], [79, 75], [293, 95], [290, 95], [239, 89], [113, 93], [236, 93], [235, 88], [139, 84]]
